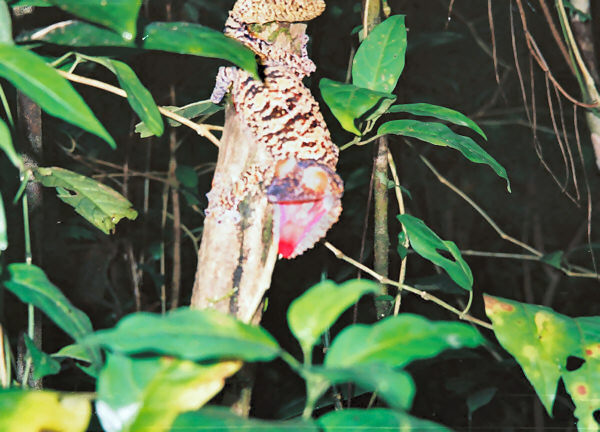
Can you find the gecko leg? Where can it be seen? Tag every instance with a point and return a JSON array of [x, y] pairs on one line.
[[225, 79]]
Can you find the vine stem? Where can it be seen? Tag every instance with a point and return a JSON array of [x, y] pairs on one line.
[[201, 129], [423, 294]]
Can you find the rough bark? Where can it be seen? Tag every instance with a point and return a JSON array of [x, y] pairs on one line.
[[236, 258]]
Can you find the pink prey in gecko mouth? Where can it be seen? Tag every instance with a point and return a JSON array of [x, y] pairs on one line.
[[306, 196]]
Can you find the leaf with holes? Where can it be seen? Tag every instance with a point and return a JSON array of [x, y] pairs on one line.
[[439, 112], [141, 394], [30, 74], [379, 60], [542, 341], [33, 411], [100, 205], [351, 104], [426, 243], [441, 135]]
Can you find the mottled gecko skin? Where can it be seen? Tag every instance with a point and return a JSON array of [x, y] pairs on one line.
[[299, 176]]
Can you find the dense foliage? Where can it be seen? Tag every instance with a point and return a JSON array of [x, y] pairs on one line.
[[126, 144]]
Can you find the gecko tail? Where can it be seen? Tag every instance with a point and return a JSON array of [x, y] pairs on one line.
[[306, 195]]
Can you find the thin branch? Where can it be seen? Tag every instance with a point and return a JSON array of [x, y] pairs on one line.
[[423, 294], [201, 129]]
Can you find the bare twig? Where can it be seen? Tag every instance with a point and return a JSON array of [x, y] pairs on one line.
[[201, 129], [423, 294]]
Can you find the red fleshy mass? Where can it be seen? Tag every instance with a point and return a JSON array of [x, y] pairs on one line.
[[296, 220]]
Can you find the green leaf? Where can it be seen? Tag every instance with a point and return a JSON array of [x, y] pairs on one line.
[[22, 3], [480, 398], [188, 38], [74, 351], [441, 135], [3, 230], [31, 285], [187, 176], [178, 37], [542, 340], [427, 244], [554, 259], [43, 364], [144, 394], [190, 334], [216, 418], [97, 203], [35, 411], [396, 387], [379, 60], [118, 15], [6, 145], [397, 341], [5, 24], [439, 112], [28, 72], [311, 314], [138, 96], [350, 103], [358, 420], [190, 111]]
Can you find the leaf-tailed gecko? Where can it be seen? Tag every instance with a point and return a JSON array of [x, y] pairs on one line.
[[299, 176]]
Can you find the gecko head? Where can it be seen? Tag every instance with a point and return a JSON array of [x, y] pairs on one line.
[[306, 195]]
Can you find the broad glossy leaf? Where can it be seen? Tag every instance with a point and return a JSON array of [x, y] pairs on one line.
[[542, 340], [100, 205], [144, 394], [138, 96], [191, 334], [441, 135], [5, 24], [43, 364], [3, 231], [396, 341], [349, 103], [427, 244], [6, 145], [74, 351], [178, 37], [118, 15], [30, 284], [439, 112], [28, 72], [396, 387], [311, 314], [358, 420], [35, 411], [379, 60], [222, 419]]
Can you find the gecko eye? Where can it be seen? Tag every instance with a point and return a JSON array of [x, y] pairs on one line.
[[315, 179]]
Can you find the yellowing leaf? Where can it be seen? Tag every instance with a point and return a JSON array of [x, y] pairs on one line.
[[35, 411]]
